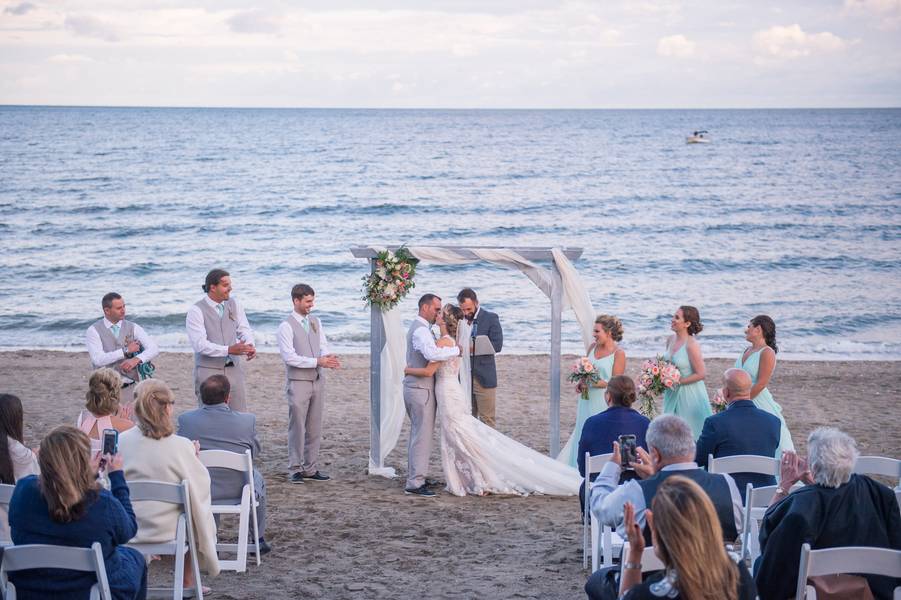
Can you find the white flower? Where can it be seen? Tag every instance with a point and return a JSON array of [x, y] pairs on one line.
[[390, 290], [381, 272]]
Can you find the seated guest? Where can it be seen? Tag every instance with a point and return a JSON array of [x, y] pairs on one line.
[[152, 452], [602, 429], [740, 429], [65, 506], [102, 407], [836, 508], [687, 537], [217, 427], [16, 459]]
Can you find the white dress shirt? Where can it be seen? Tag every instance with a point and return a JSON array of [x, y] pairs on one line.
[[424, 343], [286, 344], [607, 499], [197, 331], [100, 358]]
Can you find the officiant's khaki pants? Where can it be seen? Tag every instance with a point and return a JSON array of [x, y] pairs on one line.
[[483, 400]]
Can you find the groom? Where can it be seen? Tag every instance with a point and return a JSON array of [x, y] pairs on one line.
[[419, 393]]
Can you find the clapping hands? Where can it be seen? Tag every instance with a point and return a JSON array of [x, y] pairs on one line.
[[793, 469]]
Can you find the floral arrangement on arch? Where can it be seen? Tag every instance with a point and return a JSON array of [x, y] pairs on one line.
[[655, 377], [391, 280]]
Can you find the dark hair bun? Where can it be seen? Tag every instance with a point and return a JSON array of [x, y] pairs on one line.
[[691, 314]]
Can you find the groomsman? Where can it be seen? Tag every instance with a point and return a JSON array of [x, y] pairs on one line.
[[119, 344], [220, 335], [303, 347], [484, 369]]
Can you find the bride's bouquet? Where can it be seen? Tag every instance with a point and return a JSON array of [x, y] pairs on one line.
[[656, 376], [718, 402], [584, 374]]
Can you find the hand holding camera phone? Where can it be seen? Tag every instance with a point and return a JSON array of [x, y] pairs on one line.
[[627, 452]]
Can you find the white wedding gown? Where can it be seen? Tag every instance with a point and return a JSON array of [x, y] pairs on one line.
[[478, 459]]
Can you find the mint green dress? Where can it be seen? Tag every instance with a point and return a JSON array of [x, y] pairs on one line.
[[691, 401], [764, 400], [587, 408]]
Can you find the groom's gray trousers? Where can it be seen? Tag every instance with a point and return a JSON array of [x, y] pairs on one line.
[[420, 404]]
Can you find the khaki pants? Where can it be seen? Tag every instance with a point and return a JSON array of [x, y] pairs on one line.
[[305, 404], [483, 400], [235, 375]]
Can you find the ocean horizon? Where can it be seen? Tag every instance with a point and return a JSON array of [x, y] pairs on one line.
[[795, 213]]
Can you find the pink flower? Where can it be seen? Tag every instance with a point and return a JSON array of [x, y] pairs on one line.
[[655, 370], [668, 383]]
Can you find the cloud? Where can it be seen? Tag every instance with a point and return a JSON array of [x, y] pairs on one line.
[[887, 11], [92, 27], [69, 58], [677, 46], [793, 42], [19, 9], [253, 21]]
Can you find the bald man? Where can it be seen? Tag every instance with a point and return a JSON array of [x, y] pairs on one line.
[[740, 429]]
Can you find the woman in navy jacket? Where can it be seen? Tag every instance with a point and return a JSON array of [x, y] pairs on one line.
[[65, 506]]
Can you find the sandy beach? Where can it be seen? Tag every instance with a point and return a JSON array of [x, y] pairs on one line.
[[360, 537]]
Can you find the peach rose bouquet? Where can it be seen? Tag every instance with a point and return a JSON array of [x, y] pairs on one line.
[[656, 376]]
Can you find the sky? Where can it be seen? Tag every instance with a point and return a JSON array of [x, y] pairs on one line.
[[452, 53]]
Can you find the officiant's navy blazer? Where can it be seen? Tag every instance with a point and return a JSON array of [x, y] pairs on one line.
[[740, 429], [484, 368]]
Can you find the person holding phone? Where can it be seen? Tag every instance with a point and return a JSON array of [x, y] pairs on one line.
[[65, 506]]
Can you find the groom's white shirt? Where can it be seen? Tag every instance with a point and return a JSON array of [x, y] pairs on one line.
[[424, 343]]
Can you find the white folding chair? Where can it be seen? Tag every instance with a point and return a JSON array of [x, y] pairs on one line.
[[6, 494], [649, 562], [743, 463], [246, 509], [609, 540], [847, 559], [45, 556], [757, 500], [879, 465], [171, 493]]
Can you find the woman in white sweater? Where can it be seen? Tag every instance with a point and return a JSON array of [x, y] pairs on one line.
[[152, 451], [16, 459]]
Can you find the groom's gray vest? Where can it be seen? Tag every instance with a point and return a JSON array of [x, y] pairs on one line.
[[305, 344], [110, 343], [417, 360], [219, 330]]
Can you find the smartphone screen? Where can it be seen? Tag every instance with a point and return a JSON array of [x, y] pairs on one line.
[[627, 452], [110, 441]]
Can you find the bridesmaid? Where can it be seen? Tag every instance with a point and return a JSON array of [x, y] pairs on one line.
[[760, 361], [610, 360], [689, 399]]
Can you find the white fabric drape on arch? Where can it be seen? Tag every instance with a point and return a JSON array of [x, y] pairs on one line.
[[393, 356]]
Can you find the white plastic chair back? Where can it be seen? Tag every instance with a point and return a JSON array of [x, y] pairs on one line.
[[171, 493], [757, 500], [45, 556], [847, 559], [602, 542], [6, 494], [743, 463], [246, 509], [879, 465], [649, 562]]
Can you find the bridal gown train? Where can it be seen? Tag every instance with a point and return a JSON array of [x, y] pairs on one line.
[[478, 459]]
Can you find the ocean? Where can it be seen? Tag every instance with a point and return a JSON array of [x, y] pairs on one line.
[[792, 213]]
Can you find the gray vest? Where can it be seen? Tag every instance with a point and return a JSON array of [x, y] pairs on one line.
[[219, 330], [126, 335], [305, 344], [415, 359]]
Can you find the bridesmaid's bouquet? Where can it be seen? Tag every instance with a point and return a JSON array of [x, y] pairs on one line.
[[718, 403], [656, 376], [584, 374]]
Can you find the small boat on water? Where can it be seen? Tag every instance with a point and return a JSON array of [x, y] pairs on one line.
[[698, 137]]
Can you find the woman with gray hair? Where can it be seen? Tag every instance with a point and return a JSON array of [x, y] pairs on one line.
[[835, 508]]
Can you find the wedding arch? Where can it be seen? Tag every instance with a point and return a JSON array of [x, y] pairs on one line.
[[387, 347]]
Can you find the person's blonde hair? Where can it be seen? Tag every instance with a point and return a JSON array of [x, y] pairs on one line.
[[452, 316], [104, 389], [689, 540], [152, 396], [612, 325], [67, 481]]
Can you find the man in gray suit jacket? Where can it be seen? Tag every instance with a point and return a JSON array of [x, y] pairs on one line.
[[217, 427], [484, 369]]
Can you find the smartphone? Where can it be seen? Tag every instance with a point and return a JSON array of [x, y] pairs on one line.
[[110, 442], [627, 452]]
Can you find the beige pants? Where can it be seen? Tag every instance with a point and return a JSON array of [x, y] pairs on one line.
[[483, 401], [305, 400], [420, 405]]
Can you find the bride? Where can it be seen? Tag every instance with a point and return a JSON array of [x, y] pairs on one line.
[[476, 458]]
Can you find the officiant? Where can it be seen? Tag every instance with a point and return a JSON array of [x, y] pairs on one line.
[[484, 325]]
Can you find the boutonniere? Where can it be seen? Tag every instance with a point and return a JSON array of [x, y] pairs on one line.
[[231, 315], [313, 325]]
